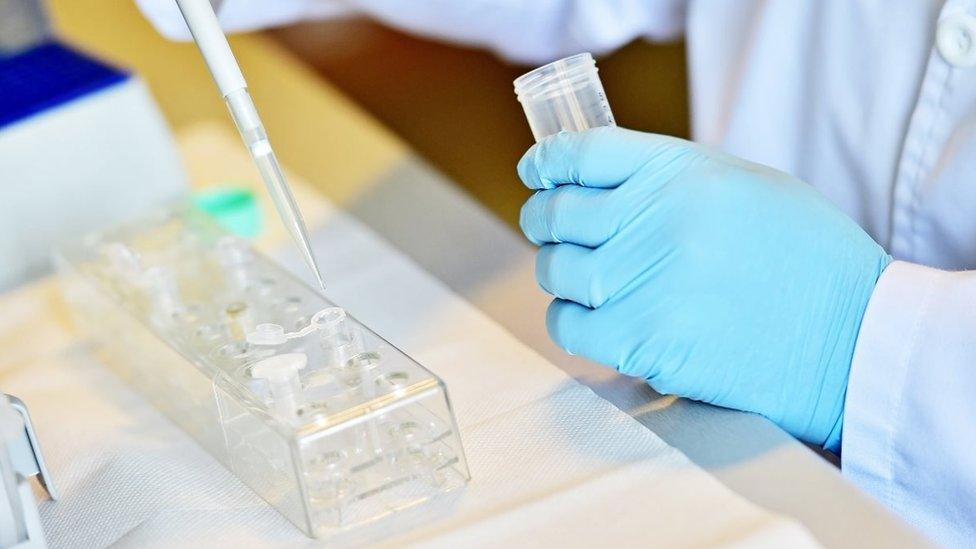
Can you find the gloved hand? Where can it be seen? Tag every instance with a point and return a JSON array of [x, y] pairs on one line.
[[710, 277]]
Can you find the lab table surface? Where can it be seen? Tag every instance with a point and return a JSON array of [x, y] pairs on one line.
[[368, 173], [483, 260], [552, 462]]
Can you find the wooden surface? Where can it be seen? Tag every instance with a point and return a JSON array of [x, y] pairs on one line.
[[317, 131], [456, 107]]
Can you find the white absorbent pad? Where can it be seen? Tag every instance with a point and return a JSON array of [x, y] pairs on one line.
[[551, 462]]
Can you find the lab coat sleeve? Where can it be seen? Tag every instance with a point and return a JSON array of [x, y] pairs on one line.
[[242, 15], [527, 31], [909, 433]]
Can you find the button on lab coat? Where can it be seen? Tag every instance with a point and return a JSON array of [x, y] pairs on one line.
[[873, 103]]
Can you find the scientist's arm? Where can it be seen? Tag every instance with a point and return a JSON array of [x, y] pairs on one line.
[[731, 283], [910, 418], [527, 31]]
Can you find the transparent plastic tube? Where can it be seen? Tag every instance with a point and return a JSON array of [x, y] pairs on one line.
[[565, 95], [252, 132], [203, 25]]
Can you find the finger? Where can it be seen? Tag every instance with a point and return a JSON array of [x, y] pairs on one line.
[[594, 277], [567, 272], [599, 157], [569, 214], [634, 257], [575, 273], [572, 327]]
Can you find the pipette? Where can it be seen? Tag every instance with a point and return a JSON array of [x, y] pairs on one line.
[[220, 60]]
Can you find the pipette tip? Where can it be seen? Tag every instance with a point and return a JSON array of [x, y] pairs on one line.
[[321, 281]]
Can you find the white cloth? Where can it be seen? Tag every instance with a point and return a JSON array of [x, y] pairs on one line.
[[552, 464], [873, 103]]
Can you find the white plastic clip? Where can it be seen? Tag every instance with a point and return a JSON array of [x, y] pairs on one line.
[[20, 525]]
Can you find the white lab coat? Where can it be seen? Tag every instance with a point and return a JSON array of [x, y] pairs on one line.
[[873, 103]]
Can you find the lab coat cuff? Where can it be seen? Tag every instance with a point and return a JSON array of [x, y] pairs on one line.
[[879, 371], [250, 15]]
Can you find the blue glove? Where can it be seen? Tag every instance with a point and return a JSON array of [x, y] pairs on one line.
[[710, 277]]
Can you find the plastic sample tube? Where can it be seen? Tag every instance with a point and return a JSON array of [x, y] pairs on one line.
[[281, 372], [565, 95]]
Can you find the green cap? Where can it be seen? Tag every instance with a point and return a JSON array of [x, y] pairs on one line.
[[235, 208]]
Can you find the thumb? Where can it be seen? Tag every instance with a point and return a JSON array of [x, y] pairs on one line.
[[599, 157]]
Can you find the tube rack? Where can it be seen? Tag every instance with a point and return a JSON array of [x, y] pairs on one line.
[[324, 419]]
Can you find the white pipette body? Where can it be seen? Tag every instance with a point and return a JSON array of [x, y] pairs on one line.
[[220, 60]]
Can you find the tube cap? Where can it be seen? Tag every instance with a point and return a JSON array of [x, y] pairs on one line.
[[235, 209]]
